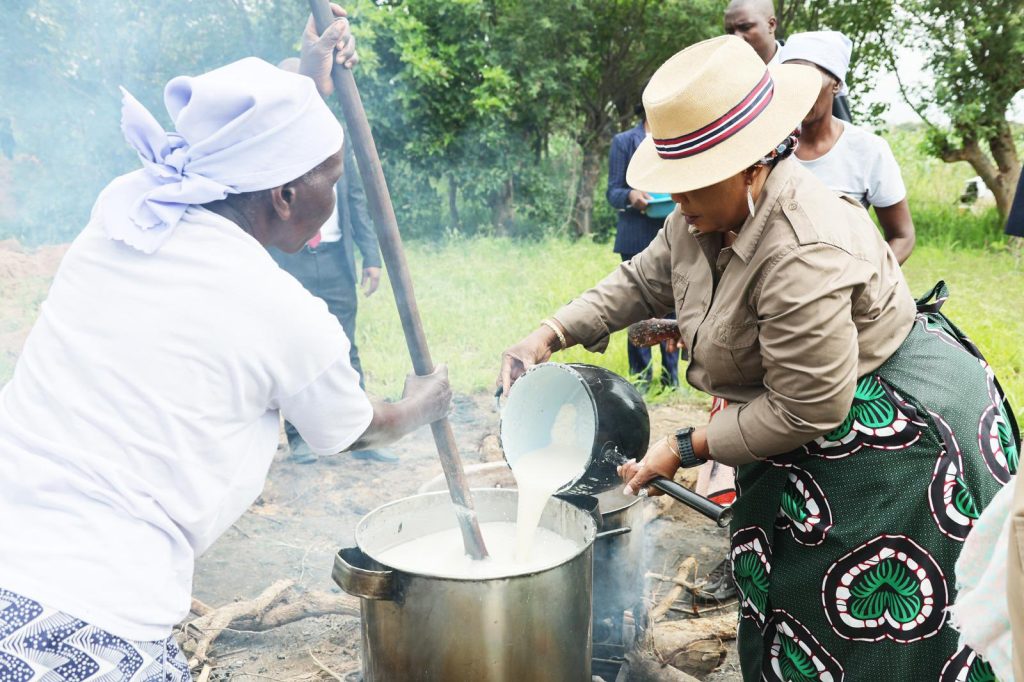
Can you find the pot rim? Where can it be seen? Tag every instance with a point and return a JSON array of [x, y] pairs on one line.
[[589, 536]]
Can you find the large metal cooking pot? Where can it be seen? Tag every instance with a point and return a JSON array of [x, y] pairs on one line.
[[533, 626], [618, 559]]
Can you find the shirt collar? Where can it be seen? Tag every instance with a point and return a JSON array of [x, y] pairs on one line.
[[753, 227]]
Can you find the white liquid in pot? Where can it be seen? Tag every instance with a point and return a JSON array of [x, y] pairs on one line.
[[443, 553]]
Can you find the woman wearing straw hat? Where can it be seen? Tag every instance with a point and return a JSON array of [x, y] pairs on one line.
[[867, 434]]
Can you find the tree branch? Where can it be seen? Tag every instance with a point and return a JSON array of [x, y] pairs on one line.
[[917, 108]]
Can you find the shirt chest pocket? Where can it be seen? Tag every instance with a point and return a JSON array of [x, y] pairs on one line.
[[689, 309], [734, 355]]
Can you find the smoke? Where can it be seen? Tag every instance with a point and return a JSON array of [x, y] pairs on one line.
[[60, 67]]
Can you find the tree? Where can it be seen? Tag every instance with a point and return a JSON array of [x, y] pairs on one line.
[[604, 54], [977, 58], [975, 55]]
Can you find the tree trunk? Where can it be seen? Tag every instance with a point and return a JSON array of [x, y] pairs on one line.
[[453, 203], [1001, 176], [583, 207], [501, 208]]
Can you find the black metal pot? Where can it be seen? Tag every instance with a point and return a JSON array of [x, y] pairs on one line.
[[612, 424]]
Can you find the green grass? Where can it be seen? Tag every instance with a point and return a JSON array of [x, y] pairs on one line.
[[478, 296]]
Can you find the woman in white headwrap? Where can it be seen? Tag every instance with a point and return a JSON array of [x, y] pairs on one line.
[[144, 411], [848, 159]]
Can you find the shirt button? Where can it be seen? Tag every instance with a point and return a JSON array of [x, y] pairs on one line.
[[793, 206]]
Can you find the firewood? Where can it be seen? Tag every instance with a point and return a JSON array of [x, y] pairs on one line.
[[277, 605], [644, 667], [490, 449], [683, 573], [694, 645]]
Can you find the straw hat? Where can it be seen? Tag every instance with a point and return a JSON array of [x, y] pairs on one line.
[[714, 109]]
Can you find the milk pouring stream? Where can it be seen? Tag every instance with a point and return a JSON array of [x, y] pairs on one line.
[[523, 547], [539, 475]]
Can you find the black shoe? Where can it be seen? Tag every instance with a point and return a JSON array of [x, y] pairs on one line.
[[375, 456], [720, 586], [301, 452]]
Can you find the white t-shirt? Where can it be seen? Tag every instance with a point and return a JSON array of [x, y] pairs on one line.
[[331, 230], [862, 166], [143, 416]]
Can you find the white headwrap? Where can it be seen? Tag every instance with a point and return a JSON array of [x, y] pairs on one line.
[[243, 127], [830, 50]]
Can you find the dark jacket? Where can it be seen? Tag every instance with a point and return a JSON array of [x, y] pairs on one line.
[[1015, 222], [635, 230], [356, 228]]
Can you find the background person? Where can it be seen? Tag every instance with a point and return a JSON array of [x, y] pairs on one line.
[[144, 410], [848, 159], [842, 397], [326, 267], [634, 231], [755, 22], [1015, 221]]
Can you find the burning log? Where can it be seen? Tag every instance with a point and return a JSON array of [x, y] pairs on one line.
[[694, 645]]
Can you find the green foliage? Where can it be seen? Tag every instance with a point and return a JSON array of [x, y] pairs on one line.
[[60, 67], [976, 57]]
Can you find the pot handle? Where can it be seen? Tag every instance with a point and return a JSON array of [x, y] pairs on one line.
[[354, 572], [613, 532]]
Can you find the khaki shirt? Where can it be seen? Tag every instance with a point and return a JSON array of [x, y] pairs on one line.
[[781, 324]]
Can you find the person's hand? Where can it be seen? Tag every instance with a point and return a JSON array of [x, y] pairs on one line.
[[370, 281], [321, 52], [639, 200], [660, 460], [534, 349], [430, 394]]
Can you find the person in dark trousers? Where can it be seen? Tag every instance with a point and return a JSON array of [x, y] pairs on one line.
[[754, 21], [1015, 223], [326, 267], [634, 231]]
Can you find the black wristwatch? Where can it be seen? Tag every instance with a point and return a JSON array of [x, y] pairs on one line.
[[684, 442]]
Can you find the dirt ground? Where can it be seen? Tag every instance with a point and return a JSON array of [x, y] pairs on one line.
[[308, 511]]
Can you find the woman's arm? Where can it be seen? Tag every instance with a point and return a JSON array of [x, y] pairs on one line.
[[898, 227], [809, 352]]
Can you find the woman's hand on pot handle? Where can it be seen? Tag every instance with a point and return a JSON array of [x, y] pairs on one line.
[[533, 350], [660, 460]]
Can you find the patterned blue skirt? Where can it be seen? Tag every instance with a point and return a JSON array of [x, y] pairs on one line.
[[40, 643]]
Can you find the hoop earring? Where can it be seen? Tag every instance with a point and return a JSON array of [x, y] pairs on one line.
[[750, 202]]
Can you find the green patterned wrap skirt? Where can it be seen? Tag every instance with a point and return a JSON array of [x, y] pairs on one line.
[[844, 550]]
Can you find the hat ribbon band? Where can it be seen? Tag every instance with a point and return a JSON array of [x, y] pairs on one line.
[[722, 128]]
